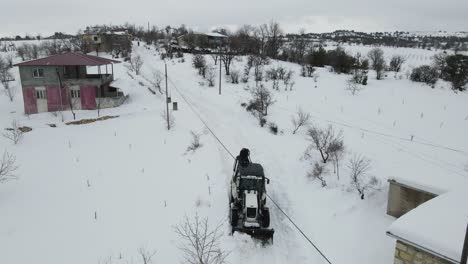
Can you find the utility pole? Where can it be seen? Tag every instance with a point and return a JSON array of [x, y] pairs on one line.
[[167, 98], [220, 62]]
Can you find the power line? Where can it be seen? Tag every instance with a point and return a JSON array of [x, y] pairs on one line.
[[229, 152]]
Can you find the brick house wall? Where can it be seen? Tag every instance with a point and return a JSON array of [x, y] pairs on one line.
[[407, 254]]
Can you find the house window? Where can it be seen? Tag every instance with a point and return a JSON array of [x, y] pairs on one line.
[[38, 73], [41, 94], [75, 93]]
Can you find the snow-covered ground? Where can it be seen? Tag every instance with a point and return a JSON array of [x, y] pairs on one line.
[[89, 193]]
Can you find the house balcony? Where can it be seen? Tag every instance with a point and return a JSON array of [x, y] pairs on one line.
[[90, 79]]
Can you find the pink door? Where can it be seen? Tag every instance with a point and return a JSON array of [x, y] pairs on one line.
[[88, 97], [29, 97]]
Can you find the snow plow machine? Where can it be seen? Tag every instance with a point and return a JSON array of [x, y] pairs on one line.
[[248, 211]]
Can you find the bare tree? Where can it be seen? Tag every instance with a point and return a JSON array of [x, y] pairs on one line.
[[10, 91], [136, 62], [396, 62], [156, 80], [146, 255], [201, 244], [9, 59], [359, 166], [336, 150], [300, 119], [13, 133], [318, 173], [72, 100], [22, 51], [8, 167], [325, 141], [215, 58], [376, 56], [5, 78]]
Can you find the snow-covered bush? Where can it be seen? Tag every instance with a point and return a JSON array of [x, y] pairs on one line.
[[456, 71], [360, 76], [360, 180], [210, 76], [260, 103], [425, 74], [199, 63], [234, 76]]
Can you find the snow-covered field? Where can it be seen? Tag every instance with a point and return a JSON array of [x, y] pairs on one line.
[[98, 192]]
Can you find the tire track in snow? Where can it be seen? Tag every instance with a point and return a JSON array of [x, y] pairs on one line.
[[225, 125]]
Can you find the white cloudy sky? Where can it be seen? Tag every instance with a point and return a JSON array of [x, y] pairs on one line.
[[48, 16]]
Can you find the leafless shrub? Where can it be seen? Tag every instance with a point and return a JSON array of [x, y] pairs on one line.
[[8, 167], [146, 255], [201, 244], [211, 76], [299, 120], [359, 166], [353, 87], [13, 133], [171, 118], [326, 141], [195, 144], [318, 172], [135, 64]]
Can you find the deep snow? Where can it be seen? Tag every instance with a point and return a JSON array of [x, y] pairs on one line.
[[142, 181]]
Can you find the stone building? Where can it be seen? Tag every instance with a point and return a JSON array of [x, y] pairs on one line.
[[62, 82], [434, 232], [101, 39]]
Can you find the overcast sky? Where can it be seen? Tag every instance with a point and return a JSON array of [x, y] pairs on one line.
[[48, 16]]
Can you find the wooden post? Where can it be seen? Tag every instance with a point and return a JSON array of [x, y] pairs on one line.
[[465, 248]]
